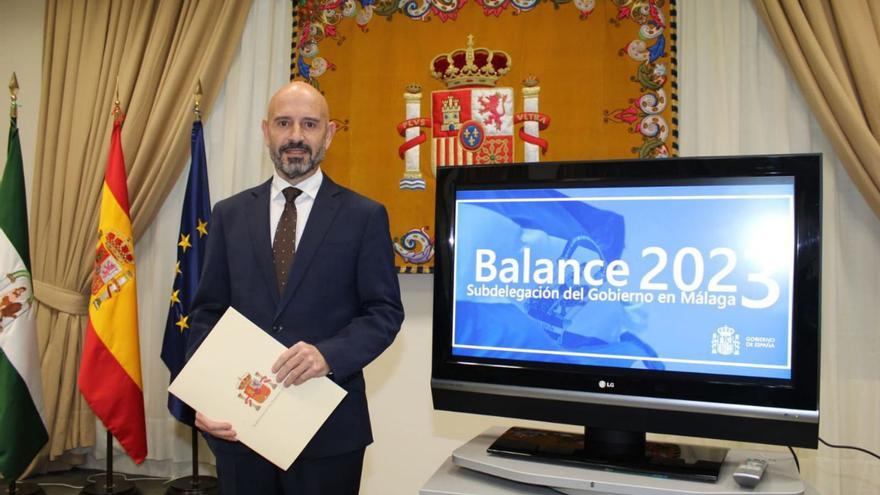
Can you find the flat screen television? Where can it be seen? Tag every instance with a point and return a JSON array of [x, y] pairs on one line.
[[677, 296]]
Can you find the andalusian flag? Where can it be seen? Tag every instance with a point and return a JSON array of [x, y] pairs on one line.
[[22, 427], [110, 371]]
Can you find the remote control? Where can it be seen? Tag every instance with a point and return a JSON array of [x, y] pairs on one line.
[[749, 473]]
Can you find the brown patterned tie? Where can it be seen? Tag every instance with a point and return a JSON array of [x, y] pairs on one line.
[[284, 246]]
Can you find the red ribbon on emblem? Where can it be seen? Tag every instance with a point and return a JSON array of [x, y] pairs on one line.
[[543, 123], [421, 138]]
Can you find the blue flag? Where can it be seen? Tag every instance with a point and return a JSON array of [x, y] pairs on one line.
[[194, 225]]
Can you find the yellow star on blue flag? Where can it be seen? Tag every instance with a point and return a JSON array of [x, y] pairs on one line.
[[183, 322], [196, 217], [175, 297], [184, 242], [202, 227]]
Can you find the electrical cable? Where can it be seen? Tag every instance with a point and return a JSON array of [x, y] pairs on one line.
[[93, 477], [65, 485], [850, 447], [796, 462]]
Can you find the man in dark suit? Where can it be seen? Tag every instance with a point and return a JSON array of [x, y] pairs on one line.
[[313, 267]]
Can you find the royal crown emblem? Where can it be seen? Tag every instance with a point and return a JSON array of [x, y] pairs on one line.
[[255, 388], [472, 122], [470, 66], [113, 260], [472, 119], [725, 341]]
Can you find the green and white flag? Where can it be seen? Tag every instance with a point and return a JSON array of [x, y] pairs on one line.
[[22, 427]]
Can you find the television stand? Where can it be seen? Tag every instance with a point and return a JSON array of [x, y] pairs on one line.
[[612, 450], [526, 476]]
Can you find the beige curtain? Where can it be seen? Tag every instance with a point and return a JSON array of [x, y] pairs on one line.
[[832, 47], [155, 51]]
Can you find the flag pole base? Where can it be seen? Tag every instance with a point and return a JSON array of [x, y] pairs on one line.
[[191, 485], [118, 487], [22, 488]]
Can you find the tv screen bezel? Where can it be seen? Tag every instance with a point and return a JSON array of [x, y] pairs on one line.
[[762, 410]]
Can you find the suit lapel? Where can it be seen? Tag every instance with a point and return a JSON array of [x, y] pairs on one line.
[[259, 234], [321, 217]]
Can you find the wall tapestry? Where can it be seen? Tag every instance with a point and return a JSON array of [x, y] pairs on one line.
[[420, 84]]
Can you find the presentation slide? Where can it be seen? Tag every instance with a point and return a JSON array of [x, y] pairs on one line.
[[691, 278]]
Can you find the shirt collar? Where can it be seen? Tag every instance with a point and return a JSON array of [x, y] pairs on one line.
[[309, 186]]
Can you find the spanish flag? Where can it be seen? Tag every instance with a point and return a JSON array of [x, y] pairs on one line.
[[110, 370]]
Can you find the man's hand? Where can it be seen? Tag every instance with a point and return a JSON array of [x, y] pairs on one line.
[[217, 429], [299, 363]]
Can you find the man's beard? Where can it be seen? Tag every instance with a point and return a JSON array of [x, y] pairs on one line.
[[295, 166]]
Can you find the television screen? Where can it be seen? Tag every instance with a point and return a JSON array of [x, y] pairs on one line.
[[680, 278], [674, 296]]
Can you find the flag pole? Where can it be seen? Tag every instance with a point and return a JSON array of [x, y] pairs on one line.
[[16, 487], [111, 486], [195, 484]]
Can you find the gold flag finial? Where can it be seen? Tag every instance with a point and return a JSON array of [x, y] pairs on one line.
[[13, 96], [117, 107], [197, 97]]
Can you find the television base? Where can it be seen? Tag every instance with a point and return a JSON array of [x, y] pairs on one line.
[[617, 451], [781, 477]]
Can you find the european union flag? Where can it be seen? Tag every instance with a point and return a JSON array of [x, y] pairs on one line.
[[194, 224]]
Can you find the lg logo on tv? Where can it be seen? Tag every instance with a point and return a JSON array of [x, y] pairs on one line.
[[604, 384]]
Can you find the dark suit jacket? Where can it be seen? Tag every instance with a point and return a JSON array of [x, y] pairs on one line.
[[342, 294]]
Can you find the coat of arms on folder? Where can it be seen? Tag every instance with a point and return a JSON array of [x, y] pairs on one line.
[[255, 388], [220, 380]]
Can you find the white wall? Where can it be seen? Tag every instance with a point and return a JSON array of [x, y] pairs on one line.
[[21, 51]]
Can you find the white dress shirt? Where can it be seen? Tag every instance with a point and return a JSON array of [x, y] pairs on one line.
[[303, 202]]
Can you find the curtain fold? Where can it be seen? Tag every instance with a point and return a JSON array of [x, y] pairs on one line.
[[831, 46], [152, 53]]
